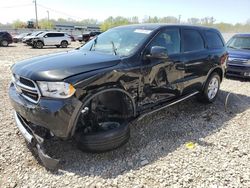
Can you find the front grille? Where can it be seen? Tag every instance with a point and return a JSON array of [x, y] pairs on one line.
[[26, 88], [27, 82]]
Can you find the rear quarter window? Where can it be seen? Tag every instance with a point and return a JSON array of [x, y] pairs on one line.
[[213, 40], [192, 40]]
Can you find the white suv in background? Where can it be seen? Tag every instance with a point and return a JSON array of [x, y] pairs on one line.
[[52, 39]]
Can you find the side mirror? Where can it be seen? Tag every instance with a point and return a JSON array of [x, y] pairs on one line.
[[158, 52], [45, 36]]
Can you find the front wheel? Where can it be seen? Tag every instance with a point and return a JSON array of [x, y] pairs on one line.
[[39, 45], [211, 89]]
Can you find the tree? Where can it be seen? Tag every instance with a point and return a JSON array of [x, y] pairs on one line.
[[45, 24], [18, 24], [134, 20], [113, 22], [194, 21], [89, 22], [168, 19]]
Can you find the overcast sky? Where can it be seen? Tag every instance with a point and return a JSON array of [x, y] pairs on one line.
[[230, 11]]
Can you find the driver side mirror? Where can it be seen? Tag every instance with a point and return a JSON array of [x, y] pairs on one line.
[[158, 52]]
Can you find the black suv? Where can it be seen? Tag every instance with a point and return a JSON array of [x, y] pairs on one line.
[[5, 38], [93, 92]]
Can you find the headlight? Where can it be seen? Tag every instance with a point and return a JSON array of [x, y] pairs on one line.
[[56, 89]]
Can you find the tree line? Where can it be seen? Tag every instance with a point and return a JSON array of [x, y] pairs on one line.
[[111, 22]]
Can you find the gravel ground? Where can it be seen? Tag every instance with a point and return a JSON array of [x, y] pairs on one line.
[[187, 145]]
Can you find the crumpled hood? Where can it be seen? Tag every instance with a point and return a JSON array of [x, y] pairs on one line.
[[55, 67]]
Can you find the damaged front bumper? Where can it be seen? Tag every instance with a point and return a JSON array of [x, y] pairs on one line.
[[37, 142]]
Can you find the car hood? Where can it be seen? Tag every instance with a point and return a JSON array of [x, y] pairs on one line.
[[56, 67], [238, 53]]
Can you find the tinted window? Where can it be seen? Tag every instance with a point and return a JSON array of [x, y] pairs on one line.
[[169, 39], [192, 40], [213, 40], [55, 34]]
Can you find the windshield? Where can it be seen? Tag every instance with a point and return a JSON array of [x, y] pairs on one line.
[[239, 43], [36, 33], [118, 41]]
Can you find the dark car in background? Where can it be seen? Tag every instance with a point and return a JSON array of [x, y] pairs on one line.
[[85, 37], [19, 38], [5, 38], [93, 92], [238, 64]]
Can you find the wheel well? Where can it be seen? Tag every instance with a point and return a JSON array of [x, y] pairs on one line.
[[115, 102], [40, 41], [219, 71], [64, 41]]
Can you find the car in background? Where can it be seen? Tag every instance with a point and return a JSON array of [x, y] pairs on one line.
[[5, 38], [51, 39], [238, 64], [19, 38], [28, 39], [85, 37]]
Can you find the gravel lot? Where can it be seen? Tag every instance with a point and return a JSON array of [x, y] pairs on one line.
[[156, 155]]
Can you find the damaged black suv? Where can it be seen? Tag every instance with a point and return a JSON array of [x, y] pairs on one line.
[[93, 92]]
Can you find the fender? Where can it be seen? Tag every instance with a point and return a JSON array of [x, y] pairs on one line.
[[211, 71]]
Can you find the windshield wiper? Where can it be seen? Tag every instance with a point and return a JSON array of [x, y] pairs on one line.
[[246, 48], [232, 47], [93, 44], [113, 46]]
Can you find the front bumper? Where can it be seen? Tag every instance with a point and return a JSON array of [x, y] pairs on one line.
[[56, 115], [36, 141], [242, 71]]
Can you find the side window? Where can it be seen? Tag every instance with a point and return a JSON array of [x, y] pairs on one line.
[[192, 40], [59, 34], [213, 40], [169, 39], [50, 35]]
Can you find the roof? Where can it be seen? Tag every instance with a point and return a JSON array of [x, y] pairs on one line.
[[153, 26]]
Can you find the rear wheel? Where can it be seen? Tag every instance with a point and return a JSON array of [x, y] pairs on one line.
[[211, 89], [64, 44], [4, 43]]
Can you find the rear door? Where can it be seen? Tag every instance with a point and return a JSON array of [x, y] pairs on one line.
[[195, 58]]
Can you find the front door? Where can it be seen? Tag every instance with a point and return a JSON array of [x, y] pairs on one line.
[[162, 78]]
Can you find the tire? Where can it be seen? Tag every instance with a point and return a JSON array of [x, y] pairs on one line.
[[211, 89], [58, 46], [105, 140], [39, 44], [64, 44], [4, 43]]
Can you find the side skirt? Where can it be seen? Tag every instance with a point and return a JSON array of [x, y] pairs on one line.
[[165, 105]]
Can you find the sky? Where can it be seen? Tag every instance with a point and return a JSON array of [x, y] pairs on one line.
[[229, 11]]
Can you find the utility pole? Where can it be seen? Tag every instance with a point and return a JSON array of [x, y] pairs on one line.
[[48, 15], [36, 14], [179, 18]]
